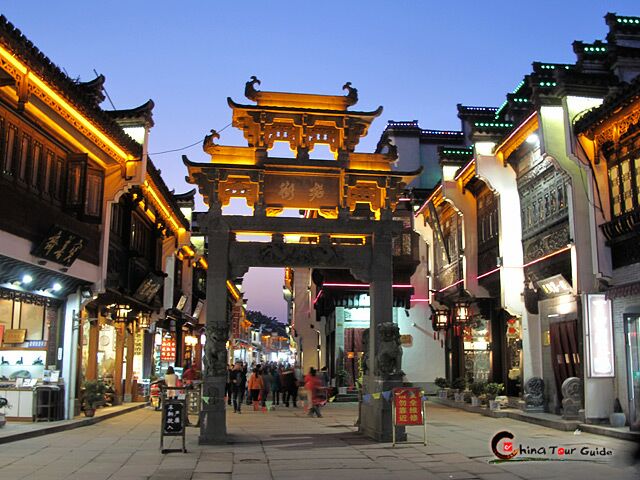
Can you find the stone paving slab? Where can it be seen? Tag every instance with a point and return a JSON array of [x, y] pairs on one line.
[[287, 445]]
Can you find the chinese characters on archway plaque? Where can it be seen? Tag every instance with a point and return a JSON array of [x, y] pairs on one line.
[[407, 404], [173, 422]]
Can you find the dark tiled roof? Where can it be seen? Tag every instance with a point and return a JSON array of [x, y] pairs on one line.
[[144, 111], [83, 96], [625, 95], [155, 175]]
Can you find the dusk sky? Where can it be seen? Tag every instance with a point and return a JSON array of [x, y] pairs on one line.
[[418, 59]]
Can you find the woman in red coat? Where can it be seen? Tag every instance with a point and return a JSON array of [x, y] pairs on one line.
[[312, 383], [255, 385]]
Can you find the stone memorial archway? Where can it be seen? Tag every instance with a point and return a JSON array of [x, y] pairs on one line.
[[329, 191]]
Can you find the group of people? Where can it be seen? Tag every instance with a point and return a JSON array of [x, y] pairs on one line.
[[276, 380]]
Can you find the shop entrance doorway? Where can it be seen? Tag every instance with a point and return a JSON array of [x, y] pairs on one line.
[[632, 331], [565, 356]]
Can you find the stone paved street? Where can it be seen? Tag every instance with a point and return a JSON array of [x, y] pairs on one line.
[[285, 444]]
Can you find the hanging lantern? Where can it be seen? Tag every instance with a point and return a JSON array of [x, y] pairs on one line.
[[439, 321], [461, 316], [121, 313], [144, 320]]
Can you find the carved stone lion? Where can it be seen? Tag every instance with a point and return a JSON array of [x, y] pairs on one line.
[[389, 352], [534, 393], [215, 350]]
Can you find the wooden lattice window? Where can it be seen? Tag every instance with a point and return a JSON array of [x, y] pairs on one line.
[[624, 179]]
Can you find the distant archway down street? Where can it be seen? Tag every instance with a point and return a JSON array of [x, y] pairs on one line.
[[330, 192]]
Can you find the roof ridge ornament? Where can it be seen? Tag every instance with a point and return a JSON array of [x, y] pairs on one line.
[[208, 144], [353, 93], [249, 89]]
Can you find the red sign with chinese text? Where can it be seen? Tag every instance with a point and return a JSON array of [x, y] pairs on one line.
[[407, 404], [168, 350]]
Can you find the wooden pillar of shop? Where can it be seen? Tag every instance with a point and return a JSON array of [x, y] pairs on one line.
[[91, 372], [197, 356], [117, 374], [128, 382]]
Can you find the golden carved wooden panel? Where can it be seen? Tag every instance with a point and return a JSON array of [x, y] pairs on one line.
[[238, 188]]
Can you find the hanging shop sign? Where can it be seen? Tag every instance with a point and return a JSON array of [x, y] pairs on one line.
[[407, 408], [168, 350], [60, 246], [406, 340], [198, 310], [15, 336], [236, 316], [555, 285], [600, 336], [149, 287]]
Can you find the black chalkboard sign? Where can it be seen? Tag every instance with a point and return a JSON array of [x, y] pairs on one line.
[[173, 418]]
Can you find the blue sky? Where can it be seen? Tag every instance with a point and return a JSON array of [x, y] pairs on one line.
[[416, 58]]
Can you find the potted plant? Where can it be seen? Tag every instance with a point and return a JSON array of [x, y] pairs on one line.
[[617, 419], [341, 379], [493, 390], [442, 384], [459, 384], [477, 389], [94, 391]]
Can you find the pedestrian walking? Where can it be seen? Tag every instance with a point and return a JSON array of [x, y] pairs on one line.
[[275, 386], [290, 387], [255, 386], [238, 384], [228, 390], [315, 399]]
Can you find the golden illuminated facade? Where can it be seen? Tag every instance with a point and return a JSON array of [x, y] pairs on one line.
[[65, 166], [303, 121]]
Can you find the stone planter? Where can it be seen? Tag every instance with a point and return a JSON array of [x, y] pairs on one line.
[[442, 394], [475, 402], [458, 397], [617, 420], [89, 412], [494, 405]]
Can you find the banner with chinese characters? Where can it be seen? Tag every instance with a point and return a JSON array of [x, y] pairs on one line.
[[236, 318], [303, 191], [407, 405], [168, 350]]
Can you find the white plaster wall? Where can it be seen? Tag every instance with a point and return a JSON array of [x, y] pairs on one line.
[[425, 359]]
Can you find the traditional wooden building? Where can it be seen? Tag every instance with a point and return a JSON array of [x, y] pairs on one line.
[[610, 136], [89, 231]]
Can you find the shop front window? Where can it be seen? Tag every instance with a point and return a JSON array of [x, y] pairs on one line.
[[107, 354], [477, 350]]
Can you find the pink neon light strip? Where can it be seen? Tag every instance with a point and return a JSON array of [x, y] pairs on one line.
[[420, 300], [452, 285], [318, 296], [486, 274], [363, 285]]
